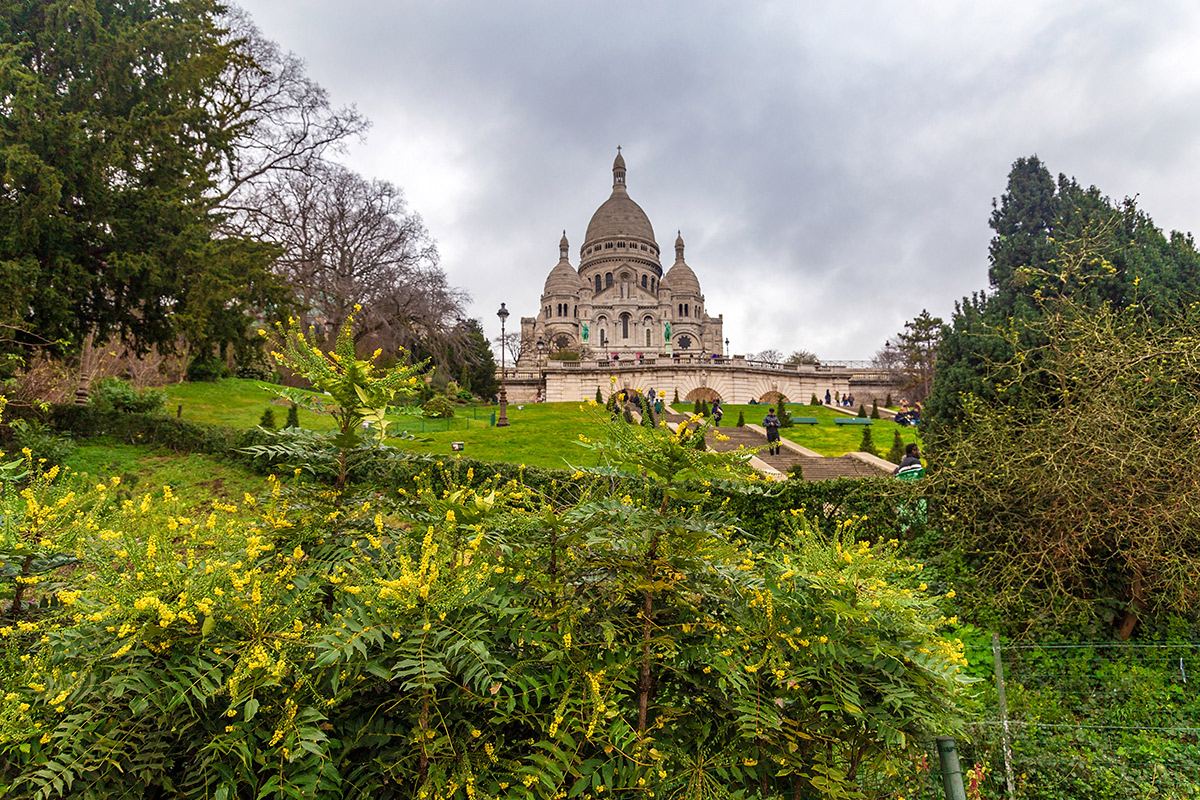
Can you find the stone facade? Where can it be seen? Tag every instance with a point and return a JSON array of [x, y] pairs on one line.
[[619, 304]]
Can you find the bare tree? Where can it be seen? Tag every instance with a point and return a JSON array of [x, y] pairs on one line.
[[513, 344], [910, 355], [802, 357], [347, 243], [277, 119], [770, 354]]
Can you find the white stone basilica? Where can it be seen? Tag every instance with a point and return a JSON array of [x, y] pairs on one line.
[[618, 305]]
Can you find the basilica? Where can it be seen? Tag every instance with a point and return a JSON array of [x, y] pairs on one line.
[[618, 304]]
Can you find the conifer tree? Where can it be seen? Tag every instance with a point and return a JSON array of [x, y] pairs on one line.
[[293, 417], [676, 400], [268, 419], [741, 423], [897, 452], [785, 419], [887, 403], [874, 408], [862, 411], [867, 445], [599, 397]]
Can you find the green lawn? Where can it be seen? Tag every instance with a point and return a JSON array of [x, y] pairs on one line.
[[826, 437], [539, 434], [196, 478]]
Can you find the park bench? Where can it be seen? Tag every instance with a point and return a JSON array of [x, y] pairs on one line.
[[804, 420], [851, 421]]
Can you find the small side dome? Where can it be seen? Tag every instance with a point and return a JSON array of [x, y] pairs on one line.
[[679, 278], [563, 279]]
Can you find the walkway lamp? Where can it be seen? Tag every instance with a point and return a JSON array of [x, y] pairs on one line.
[[502, 420]]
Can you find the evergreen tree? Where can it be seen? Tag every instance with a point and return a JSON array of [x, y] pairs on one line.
[[696, 406], [293, 417], [867, 445], [785, 419], [815, 401], [741, 423], [599, 397], [897, 452], [676, 400], [887, 403], [647, 413], [464, 380], [704, 410], [267, 420], [862, 411], [628, 415], [874, 408]]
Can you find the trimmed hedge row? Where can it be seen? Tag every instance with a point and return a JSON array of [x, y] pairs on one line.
[[884, 506]]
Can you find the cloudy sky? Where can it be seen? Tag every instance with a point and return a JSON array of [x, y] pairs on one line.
[[831, 165]]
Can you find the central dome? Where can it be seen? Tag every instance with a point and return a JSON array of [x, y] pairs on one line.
[[619, 216]]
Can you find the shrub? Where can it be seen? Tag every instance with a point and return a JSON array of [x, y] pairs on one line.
[[862, 411], [676, 400], [814, 401], [867, 445], [473, 631], [268, 419], [896, 454], [696, 406], [704, 409], [437, 408], [887, 403], [599, 397], [293, 417], [647, 413], [207, 368], [796, 472], [785, 419], [564, 355], [741, 423], [628, 415], [114, 394], [42, 441], [874, 408]]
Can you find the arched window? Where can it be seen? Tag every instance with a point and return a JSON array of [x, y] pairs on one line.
[[647, 337], [575, 311], [686, 310], [645, 282], [624, 326], [597, 284], [681, 309], [608, 280]]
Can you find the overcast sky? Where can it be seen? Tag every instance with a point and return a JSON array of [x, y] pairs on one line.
[[831, 165]]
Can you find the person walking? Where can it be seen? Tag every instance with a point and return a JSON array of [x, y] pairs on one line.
[[717, 413], [771, 424], [828, 399]]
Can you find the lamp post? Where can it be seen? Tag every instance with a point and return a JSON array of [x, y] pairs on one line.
[[541, 349], [727, 347], [502, 420]]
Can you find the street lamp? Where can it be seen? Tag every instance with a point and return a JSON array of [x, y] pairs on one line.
[[541, 349], [727, 347], [502, 420]]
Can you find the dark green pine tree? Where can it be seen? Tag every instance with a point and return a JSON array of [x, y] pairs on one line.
[[874, 408], [867, 445], [785, 419], [293, 417], [741, 423], [897, 452], [267, 420], [599, 397]]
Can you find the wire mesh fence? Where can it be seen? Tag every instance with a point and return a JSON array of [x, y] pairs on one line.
[[1101, 721]]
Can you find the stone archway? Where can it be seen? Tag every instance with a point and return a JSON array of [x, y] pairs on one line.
[[772, 397], [703, 394]]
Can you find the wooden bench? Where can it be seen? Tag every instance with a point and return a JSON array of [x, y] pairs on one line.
[[851, 421], [804, 420]]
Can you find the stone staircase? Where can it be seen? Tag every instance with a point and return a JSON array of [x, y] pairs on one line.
[[813, 467]]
